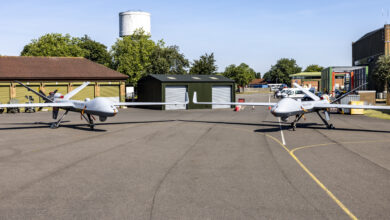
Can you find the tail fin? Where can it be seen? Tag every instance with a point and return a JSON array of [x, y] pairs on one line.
[[35, 92], [195, 98], [187, 99], [75, 91], [307, 92], [353, 90]]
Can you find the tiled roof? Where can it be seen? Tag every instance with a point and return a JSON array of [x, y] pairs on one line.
[[54, 68]]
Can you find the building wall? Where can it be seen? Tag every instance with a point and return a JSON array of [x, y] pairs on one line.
[[367, 50], [203, 90], [149, 90], [368, 47], [308, 83]]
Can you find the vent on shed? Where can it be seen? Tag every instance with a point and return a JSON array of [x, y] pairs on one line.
[[212, 77], [195, 77], [171, 77]]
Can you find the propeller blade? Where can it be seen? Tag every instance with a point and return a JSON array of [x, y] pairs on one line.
[[82, 113], [40, 91]]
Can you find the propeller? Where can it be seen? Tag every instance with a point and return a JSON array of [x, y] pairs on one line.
[[49, 98], [82, 113]]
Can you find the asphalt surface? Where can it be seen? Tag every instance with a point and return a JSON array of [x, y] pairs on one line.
[[198, 164]]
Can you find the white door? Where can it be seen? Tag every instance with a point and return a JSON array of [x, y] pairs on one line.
[[175, 94], [221, 94]]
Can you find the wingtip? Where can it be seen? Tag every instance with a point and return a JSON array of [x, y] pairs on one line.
[[187, 98], [195, 99]]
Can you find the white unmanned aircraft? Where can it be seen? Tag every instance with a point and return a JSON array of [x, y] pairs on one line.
[[289, 107], [99, 106]]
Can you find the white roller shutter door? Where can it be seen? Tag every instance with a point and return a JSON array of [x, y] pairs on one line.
[[175, 94], [221, 94]]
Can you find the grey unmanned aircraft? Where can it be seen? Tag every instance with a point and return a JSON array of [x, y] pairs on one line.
[[100, 106], [287, 107]]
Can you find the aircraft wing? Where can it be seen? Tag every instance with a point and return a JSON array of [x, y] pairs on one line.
[[195, 101], [37, 105], [325, 105], [75, 91], [307, 92], [152, 103]]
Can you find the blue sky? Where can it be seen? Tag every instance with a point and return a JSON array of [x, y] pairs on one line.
[[255, 32]]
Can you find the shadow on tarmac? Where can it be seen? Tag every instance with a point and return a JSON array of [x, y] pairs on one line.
[[84, 126], [271, 126], [285, 126]]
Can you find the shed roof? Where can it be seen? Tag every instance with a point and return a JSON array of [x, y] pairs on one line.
[[190, 78], [307, 74], [345, 68], [55, 68]]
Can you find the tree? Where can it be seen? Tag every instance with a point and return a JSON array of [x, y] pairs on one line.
[[95, 51], [382, 70], [167, 60], [204, 66], [314, 68], [55, 45], [242, 74], [58, 45], [131, 55], [281, 71]]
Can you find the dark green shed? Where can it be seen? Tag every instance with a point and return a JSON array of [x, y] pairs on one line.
[[164, 88]]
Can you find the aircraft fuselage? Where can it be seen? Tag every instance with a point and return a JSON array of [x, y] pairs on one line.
[[99, 106]]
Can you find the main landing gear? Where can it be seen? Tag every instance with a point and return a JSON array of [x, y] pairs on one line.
[[326, 119], [57, 123], [90, 119]]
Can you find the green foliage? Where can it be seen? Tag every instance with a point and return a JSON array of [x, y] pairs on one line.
[[241, 74], [95, 51], [131, 55], [382, 70], [204, 66], [280, 72], [58, 45], [313, 68], [167, 60], [54, 45]]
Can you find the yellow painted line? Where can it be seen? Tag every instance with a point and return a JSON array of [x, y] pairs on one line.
[[333, 143], [312, 176], [323, 187], [315, 179]]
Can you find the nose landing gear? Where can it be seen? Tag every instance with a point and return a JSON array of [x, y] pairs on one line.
[[294, 123]]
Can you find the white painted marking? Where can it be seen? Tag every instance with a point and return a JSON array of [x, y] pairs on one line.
[[281, 131]]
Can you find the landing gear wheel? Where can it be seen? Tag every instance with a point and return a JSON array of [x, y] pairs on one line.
[[92, 127], [331, 126], [293, 126], [53, 125]]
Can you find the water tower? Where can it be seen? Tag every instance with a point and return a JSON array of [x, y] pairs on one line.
[[129, 21]]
